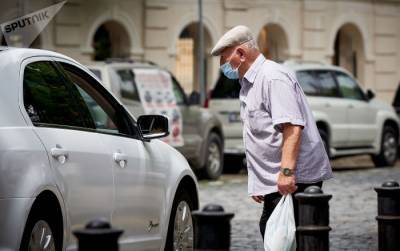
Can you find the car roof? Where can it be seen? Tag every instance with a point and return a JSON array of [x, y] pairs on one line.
[[118, 65], [312, 65], [15, 54]]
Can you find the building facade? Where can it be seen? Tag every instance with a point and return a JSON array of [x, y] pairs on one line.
[[361, 35]]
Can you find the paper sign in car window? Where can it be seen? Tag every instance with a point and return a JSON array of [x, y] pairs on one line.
[[157, 96]]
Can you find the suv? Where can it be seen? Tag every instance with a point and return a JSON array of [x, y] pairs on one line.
[[350, 121], [202, 134], [70, 153]]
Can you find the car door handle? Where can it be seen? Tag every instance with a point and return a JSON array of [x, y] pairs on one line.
[[59, 154], [121, 159], [327, 105], [350, 106]]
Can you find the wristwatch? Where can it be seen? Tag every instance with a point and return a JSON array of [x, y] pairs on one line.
[[287, 171]]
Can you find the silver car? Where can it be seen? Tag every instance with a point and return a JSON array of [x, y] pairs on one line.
[[351, 121], [202, 130], [70, 152]]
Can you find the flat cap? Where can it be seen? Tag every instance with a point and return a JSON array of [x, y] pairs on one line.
[[237, 35]]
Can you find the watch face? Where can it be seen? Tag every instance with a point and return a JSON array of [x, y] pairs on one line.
[[287, 172]]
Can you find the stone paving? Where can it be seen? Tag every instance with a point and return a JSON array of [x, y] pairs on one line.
[[353, 207]]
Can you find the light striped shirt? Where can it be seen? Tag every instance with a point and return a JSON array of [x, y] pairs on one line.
[[270, 96]]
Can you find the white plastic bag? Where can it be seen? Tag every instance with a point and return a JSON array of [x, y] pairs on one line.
[[280, 231]]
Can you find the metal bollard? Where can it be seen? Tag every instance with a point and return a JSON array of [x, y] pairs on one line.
[[313, 227], [98, 235], [388, 216], [212, 228]]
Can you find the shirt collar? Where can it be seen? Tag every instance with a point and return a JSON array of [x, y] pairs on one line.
[[251, 73]]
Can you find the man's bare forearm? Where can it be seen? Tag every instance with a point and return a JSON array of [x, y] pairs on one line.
[[290, 145]]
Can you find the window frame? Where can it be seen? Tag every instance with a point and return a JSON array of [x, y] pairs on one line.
[[130, 123]]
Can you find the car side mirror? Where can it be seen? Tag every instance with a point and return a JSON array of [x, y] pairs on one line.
[[153, 126], [370, 94], [194, 98]]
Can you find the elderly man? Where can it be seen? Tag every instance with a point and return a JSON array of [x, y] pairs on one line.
[[284, 150]]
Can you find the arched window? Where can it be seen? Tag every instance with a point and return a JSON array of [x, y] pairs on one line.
[[272, 42], [186, 64], [349, 52], [111, 40]]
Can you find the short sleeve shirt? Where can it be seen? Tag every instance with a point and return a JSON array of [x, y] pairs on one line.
[[269, 97]]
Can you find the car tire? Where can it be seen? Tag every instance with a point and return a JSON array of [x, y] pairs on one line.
[[214, 158], [388, 150], [40, 233], [181, 227], [325, 141], [233, 164]]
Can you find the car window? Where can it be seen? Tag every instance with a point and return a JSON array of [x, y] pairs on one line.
[[226, 88], [178, 92], [328, 86], [106, 117], [127, 84], [308, 83], [48, 99], [348, 87]]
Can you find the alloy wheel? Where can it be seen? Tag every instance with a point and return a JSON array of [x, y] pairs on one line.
[[390, 147], [183, 228], [214, 157], [41, 238]]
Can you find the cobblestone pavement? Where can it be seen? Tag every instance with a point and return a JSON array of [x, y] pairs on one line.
[[352, 209]]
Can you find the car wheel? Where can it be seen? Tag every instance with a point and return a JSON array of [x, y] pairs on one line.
[[325, 141], [181, 229], [388, 152], [214, 157], [38, 235]]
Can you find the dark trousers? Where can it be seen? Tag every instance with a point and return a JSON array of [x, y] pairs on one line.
[[271, 200]]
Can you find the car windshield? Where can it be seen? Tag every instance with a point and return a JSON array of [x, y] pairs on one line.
[[226, 88]]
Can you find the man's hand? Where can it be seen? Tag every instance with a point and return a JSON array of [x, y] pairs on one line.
[[286, 184], [258, 198]]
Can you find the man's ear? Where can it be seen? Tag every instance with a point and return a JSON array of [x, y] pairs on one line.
[[241, 53]]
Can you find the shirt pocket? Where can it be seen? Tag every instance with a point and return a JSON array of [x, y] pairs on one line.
[[257, 120]]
